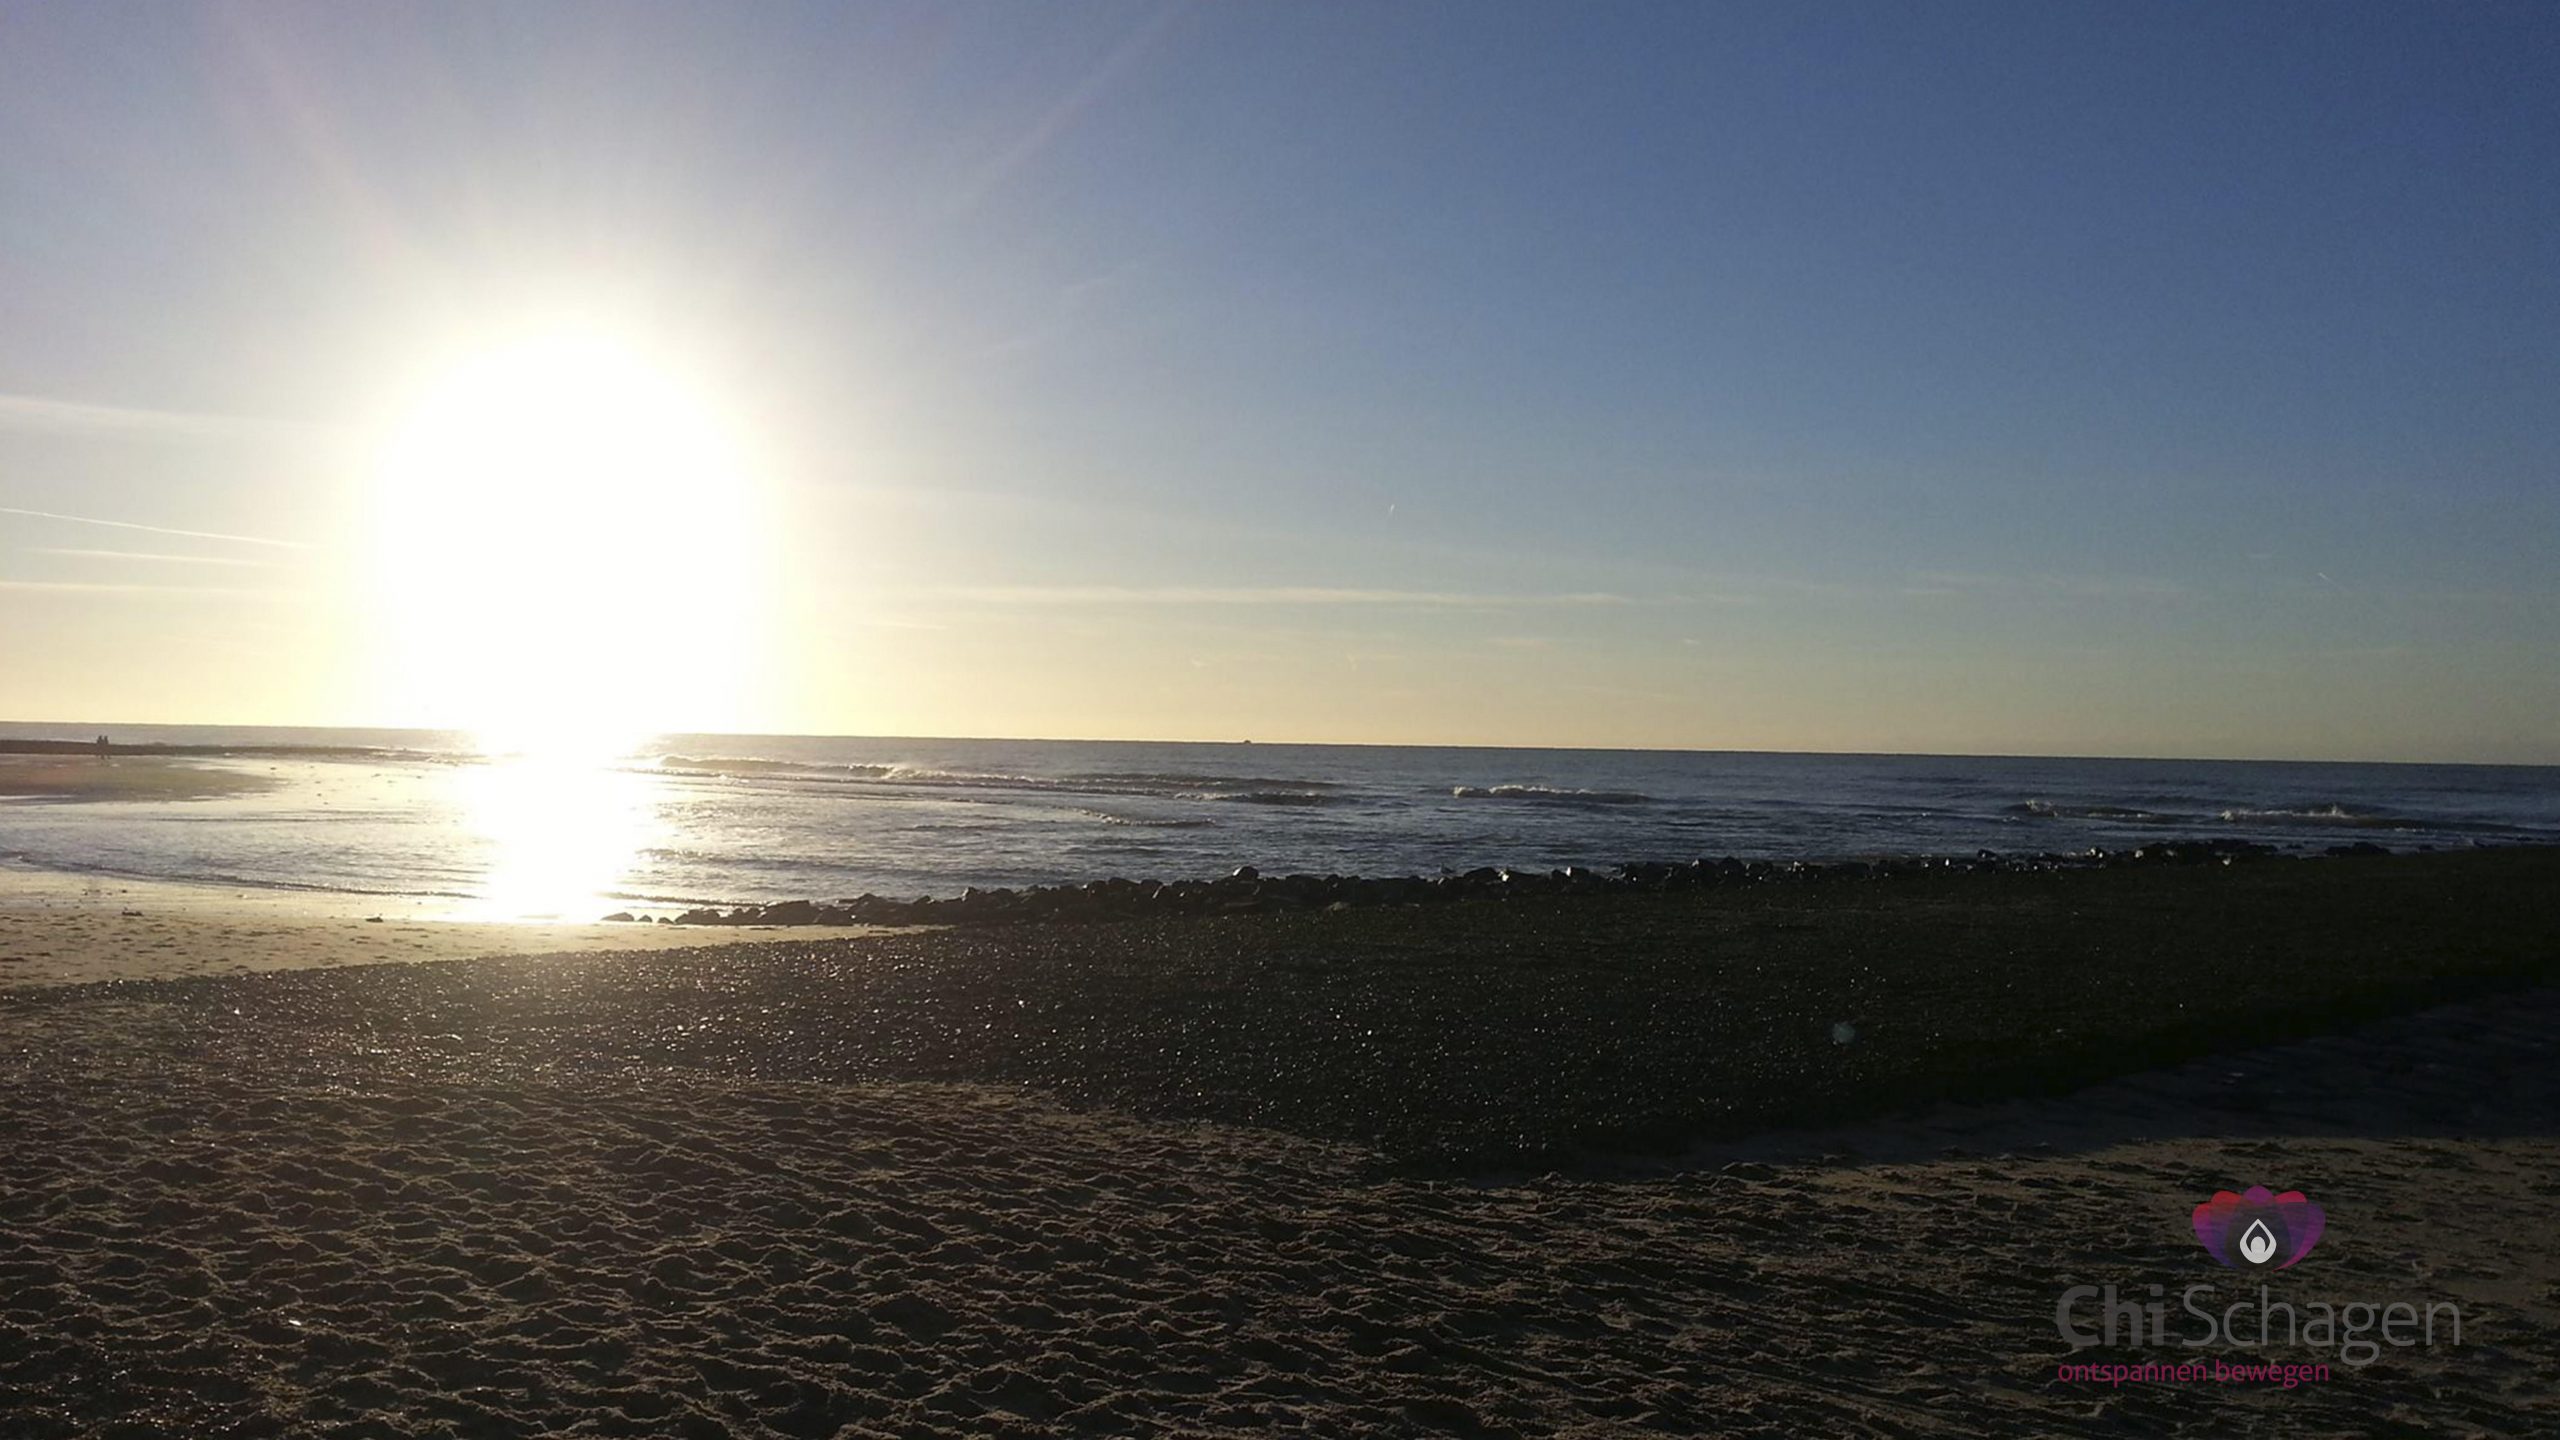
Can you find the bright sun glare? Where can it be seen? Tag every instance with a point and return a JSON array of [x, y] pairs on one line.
[[562, 561]]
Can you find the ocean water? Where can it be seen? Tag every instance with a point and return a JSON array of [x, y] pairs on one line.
[[712, 819]]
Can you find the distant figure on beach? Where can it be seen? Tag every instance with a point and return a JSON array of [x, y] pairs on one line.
[[102, 747]]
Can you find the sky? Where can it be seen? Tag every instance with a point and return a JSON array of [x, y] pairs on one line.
[[2036, 378]]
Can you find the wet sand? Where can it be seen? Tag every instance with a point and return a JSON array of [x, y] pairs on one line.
[[715, 1193], [89, 777], [58, 929]]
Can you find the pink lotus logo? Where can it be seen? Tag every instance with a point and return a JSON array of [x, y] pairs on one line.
[[2258, 1231]]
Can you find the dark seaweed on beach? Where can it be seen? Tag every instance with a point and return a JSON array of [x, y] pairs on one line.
[[1497, 1033]]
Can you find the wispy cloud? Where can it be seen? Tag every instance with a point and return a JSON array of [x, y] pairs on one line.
[[2078, 587], [155, 529], [1261, 595], [47, 415], [145, 555], [85, 587]]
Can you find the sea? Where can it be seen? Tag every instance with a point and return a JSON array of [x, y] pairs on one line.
[[711, 819]]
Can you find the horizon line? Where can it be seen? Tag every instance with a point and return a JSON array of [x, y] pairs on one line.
[[2226, 759]]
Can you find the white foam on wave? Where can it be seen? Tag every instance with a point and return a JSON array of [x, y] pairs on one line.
[[1550, 794]]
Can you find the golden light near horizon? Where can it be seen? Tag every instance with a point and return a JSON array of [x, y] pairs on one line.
[[564, 550]]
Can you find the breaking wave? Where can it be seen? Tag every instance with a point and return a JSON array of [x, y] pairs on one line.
[[1160, 784], [1542, 794], [2327, 815], [1144, 822], [2047, 810], [740, 767], [2343, 817]]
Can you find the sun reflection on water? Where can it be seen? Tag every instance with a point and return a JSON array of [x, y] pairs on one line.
[[561, 831]]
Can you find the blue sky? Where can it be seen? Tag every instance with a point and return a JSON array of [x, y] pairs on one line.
[[2170, 379]]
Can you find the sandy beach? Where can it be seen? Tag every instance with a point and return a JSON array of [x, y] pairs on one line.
[[1207, 1176]]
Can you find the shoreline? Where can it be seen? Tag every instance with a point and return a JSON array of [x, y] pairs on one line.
[[77, 927], [1245, 890], [770, 833], [1248, 891]]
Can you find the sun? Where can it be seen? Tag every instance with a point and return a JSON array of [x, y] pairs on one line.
[[564, 550]]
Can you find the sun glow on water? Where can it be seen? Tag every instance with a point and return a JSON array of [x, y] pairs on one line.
[[563, 563], [561, 833]]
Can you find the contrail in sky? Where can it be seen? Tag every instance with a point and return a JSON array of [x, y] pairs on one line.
[[74, 554], [81, 587], [1063, 115], [37, 412], [155, 529]]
